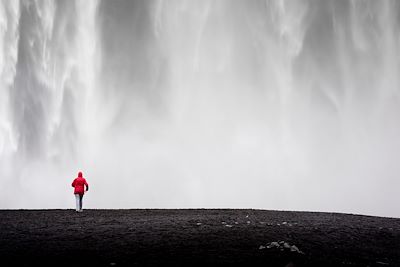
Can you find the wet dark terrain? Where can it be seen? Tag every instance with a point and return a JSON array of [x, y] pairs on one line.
[[196, 238]]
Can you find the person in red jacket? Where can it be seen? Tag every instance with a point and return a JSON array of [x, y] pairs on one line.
[[79, 184]]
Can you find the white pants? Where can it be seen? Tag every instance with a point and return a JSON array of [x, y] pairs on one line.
[[78, 199]]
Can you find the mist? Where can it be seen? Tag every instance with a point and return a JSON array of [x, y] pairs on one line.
[[284, 105]]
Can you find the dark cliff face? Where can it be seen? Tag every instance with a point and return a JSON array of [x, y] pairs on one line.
[[196, 237]]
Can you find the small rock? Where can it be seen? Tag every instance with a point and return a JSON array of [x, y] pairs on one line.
[[284, 223], [248, 222], [199, 223], [236, 223], [286, 245], [261, 247], [294, 249], [228, 225], [282, 245], [273, 244], [223, 222]]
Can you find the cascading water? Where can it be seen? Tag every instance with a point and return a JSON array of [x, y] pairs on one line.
[[265, 104]]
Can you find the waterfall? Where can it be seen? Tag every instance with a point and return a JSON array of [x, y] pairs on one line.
[[261, 104], [48, 73]]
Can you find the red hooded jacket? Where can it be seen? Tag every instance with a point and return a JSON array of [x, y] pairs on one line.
[[79, 184]]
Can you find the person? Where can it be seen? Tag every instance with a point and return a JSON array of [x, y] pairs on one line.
[[79, 184]]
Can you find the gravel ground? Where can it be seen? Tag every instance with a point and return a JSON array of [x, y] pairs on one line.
[[198, 237]]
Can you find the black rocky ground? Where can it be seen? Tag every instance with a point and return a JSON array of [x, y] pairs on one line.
[[196, 238]]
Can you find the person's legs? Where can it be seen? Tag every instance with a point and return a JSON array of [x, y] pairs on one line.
[[80, 202], [77, 200]]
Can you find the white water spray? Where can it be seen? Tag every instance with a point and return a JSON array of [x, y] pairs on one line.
[[264, 104]]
